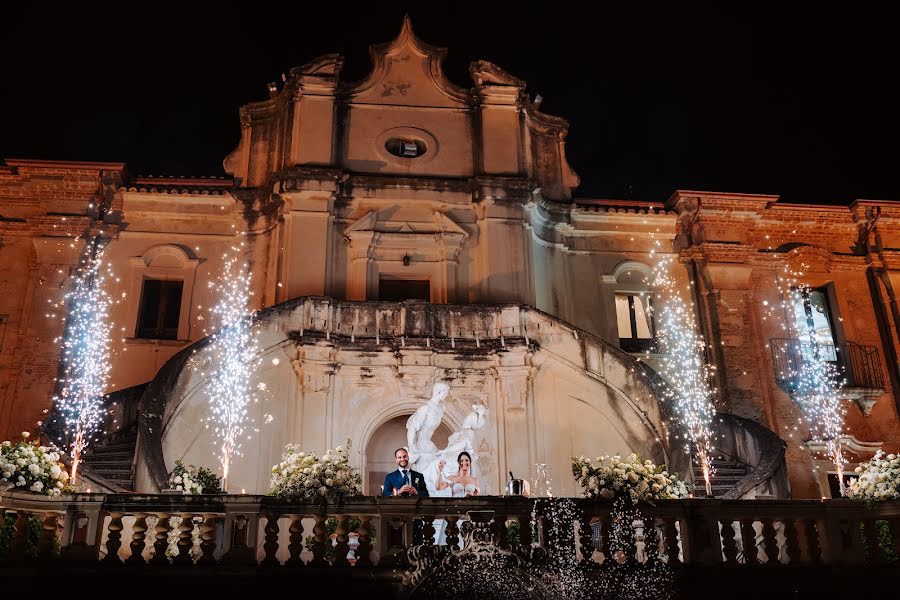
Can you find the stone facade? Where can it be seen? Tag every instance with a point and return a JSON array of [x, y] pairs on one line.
[[339, 190]]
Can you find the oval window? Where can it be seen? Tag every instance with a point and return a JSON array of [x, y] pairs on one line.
[[405, 148]]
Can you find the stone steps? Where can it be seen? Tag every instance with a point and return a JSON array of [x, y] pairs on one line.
[[114, 461], [727, 474]]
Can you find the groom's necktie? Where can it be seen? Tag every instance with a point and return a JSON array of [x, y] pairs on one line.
[[405, 477]]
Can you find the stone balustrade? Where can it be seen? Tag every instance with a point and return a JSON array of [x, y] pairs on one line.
[[422, 323], [246, 531]]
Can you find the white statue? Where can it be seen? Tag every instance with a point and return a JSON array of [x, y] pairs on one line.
[[422, 425], [463, 440]]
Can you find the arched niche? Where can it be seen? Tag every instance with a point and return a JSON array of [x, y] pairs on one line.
[[383, 441]]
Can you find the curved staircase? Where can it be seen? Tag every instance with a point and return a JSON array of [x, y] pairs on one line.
[[113, 460], [727, 474], [748, 461]]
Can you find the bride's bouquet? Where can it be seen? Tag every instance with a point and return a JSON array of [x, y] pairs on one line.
[[305, 476], [613, 477]]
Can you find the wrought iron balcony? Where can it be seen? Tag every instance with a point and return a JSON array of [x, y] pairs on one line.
[[858, 366]]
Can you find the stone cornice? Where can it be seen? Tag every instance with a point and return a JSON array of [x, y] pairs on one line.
[[15, 164], [180, 185], [620, 206]]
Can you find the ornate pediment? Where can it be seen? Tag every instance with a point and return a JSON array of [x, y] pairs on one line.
[[436, 239], [438, 224], [408, 72]]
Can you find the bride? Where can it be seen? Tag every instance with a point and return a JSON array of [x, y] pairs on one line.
[[462, 483]]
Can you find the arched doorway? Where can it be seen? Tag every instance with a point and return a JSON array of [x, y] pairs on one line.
[[380, 450]]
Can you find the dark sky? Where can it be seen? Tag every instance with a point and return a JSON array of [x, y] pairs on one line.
[[756, 103]]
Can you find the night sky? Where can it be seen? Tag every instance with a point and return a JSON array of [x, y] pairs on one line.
[[801, 107]]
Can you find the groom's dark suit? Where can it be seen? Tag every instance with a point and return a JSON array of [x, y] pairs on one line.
[[394, 481]]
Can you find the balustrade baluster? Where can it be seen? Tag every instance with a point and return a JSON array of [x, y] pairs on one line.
[[319, 537], [270, 547], [813, 547], [873, 546], [138, 535], [651, 541], [586, 539], [20, 535], [792, 542], [452, 532], [114, 541], [161, 545], [342, 548], [748, 541], [501, 540], [364, 550], [240, 538], [672, 549], [49, 528], [894, 526], [630, 534], [185, 540], [770, 543], [428, 530], [525, 533], [207, 540], [295, 547], [729, 546]]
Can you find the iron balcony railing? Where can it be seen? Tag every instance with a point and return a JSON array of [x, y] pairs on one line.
[[858, 366]]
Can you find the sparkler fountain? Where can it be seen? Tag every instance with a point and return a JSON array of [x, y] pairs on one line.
[[85, 354], [816, 376], [684, 366], [234, 347]]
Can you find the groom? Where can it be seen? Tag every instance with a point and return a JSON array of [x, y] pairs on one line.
[[404, 481]]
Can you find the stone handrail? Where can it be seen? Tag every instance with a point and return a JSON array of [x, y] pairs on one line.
[[757, 447], [249, 530]]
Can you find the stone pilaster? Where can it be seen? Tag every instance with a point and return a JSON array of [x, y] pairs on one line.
[[516, 447], [315, 374]]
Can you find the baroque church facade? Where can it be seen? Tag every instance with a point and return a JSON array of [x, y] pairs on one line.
[[402, 230]]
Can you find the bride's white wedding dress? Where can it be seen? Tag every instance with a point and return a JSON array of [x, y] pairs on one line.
[[455, 490], [460, 490]]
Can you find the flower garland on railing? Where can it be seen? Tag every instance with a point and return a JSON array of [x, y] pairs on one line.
[[613, 477], [194, 480], [305, 476], [879, 479], [32, 467]]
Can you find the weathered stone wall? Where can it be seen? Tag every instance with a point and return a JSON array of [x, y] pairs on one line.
[[551, 392], [738, 247]]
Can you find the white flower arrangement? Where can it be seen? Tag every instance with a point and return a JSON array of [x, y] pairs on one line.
[[31, 467], [879, 479], [307, 477], [612, 477], [194, 480]]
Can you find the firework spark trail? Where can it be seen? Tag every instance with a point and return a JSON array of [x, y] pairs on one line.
[[86, 356], [817, 380], [684, 366], [233, 349]]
